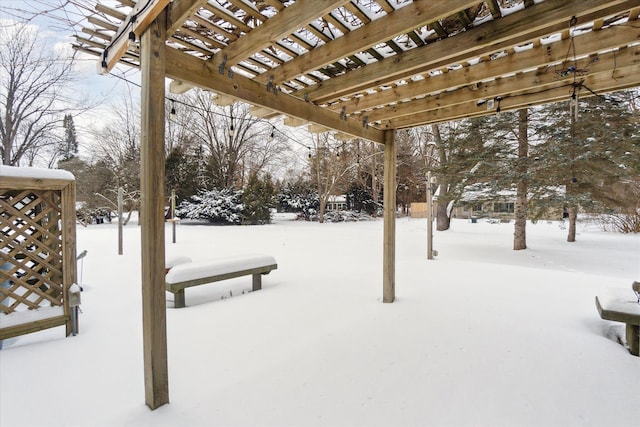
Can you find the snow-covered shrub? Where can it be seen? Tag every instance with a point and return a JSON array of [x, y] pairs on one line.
[[344, 216], [216, 206], [301, 200]]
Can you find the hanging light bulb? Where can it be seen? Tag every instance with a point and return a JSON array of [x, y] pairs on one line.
[[309, 152], [172, 114], [273, 133], [131, 42], [231, 128]]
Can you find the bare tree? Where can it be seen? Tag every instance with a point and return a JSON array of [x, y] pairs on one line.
[[32, 96], [330, 165], [237, 144], [118, 148]]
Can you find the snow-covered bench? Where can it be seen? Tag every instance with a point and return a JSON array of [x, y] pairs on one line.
[[189, 274], [623, 307]]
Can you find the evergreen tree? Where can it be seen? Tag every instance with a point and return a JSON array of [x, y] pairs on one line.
[[300, 198], [468, 154], [181, 173], [360, 199], [69, 145], [216, 206], [593, 154], [257, 200]]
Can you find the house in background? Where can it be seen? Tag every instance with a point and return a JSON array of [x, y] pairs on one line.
[[337, 203], [478, 202]]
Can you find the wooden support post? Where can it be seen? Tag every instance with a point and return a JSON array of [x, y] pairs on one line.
[[120, 222], [69, 265], [429, 218], [389, 255], [173, 215], [154, 318]]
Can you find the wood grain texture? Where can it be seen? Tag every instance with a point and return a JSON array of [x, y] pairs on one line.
[[152, 214], [389, 244]]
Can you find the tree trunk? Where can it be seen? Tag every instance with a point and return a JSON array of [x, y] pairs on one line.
[[520, 227], [374, 176], [443, 221], [573, 216]]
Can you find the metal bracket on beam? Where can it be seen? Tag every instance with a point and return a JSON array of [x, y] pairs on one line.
[[222, 66], [270, 83], [343, 113], [365, 122]]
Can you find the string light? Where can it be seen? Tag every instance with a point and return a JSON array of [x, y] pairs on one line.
[[231, 128], [172, 114]]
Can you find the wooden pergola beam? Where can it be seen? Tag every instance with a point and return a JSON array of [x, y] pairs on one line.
[[508, 85], [223, 100], [281, 25], [189, 69], [137, 21], [621, 78], [294, 122], [181, 10], [543, 56], [399, 22], [177, 87], [263, 113], [512, 30]]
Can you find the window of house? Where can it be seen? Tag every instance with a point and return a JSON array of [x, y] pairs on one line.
[[504, 207]]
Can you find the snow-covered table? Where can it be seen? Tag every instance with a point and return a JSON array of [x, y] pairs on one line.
[[623, 306], [189, 274]]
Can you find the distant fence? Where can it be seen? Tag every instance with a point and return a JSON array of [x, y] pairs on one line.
[[37, 249], [419, 210]]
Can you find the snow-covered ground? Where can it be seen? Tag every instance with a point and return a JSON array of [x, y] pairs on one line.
[[483, 335]]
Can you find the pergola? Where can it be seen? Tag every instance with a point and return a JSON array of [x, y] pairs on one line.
[[363, 68]]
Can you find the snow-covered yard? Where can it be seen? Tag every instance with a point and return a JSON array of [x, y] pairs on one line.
[[483, 335]]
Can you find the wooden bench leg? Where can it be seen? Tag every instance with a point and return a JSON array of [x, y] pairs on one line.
[[257, 282], [633, 339], [178, 299]]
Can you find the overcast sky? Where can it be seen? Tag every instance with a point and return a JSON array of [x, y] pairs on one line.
[[55, 28]]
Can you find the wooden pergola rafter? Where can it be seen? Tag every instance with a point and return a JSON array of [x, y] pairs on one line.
[[363, 68]]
